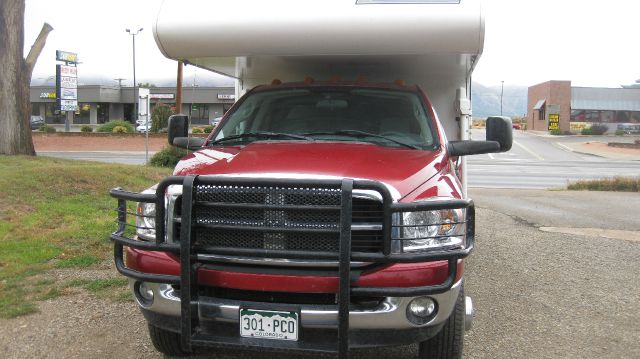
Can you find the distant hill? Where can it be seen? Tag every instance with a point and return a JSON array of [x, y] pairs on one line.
[[486, 100]]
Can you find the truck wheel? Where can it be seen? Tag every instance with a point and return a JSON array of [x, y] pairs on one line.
[[166, 342], [449, 341]]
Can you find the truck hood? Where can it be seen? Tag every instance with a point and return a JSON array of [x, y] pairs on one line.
[[403, 169]]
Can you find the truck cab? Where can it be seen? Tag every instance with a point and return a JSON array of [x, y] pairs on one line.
[[321, 215]]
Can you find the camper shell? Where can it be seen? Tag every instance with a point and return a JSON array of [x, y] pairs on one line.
[[310, 239]]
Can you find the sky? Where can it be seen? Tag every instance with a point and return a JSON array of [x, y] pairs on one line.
[[591, 43]]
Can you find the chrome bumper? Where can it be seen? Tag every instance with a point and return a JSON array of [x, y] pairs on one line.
[[390, 314]]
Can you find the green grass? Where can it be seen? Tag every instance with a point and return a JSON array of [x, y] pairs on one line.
[[115, 289], [56, 213], [617, 184]]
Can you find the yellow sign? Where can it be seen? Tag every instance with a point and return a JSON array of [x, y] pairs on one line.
[[554, 122]]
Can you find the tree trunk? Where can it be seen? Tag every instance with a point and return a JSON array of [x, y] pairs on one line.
[[15, 105]]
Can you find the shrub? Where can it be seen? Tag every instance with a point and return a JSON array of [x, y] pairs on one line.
[[586, 131], [168, 156], [86, 128], [119, 129], [619, 132], [555, 132], [108, 127], [160, 117], [598, 129], [47, 128], [208, 129], [197, 130]]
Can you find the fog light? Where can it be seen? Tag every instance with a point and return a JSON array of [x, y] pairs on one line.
[[421, 310], [145, 293]]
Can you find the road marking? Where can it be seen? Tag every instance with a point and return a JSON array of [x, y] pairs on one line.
[[490, 156], [564, 147], [528, 151]]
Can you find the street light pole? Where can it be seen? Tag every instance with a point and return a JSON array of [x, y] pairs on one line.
[[501, 95], [135, 84]]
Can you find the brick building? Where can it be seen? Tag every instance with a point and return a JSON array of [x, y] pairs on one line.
[[577, 107]]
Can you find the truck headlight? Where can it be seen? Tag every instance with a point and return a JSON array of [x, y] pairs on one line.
[[146, 221], [430, 230]]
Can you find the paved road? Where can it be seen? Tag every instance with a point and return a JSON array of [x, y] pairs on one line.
[[124, 157], [539, 162], [534, 162]]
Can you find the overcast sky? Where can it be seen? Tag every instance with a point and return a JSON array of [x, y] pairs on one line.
[[592, 43]]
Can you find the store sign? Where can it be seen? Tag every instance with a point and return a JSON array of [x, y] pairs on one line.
[[554, 122], [226, 96], [66, 56], [48, 95], [68, 105], [67, 87], [167, 96]]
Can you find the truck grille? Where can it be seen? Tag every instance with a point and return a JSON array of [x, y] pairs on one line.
[[280, 218]]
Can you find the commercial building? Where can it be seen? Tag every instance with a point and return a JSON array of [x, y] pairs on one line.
[[99, 104], [556, 104]]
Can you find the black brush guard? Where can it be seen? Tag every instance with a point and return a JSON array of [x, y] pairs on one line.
[[189, 263]]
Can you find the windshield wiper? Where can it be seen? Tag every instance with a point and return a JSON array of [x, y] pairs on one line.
[[260, 135], [362, 134]]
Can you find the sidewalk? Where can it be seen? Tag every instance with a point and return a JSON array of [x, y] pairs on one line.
[[601, 149]]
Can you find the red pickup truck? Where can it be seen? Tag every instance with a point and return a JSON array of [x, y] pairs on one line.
[[318, 216]]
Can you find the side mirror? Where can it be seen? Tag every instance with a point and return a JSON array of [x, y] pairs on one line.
[[178, 127], [500, 129], [499, 139], [190, 143]]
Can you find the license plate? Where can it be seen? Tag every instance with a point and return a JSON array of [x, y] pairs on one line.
[[267, 324]]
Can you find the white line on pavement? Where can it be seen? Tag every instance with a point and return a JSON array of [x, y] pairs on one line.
[[528, 151]]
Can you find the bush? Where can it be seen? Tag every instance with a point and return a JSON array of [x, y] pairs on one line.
[[619, 132], [208, 129], [586, 131], [108, 127], [119, 129], [598, 129], [197, 130], [555, 132], [160, 117], [47, 128], [168, 156], [86, 128]]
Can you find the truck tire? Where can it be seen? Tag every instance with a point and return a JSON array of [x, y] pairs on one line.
[[166, 342], [449, 341]]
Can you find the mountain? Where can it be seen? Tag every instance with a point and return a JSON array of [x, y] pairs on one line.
[[486, 100]]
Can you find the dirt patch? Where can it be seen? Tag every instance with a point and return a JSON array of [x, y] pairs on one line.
[[604, 148], [96, 142]]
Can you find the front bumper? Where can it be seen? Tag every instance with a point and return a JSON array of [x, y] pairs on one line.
[[390, 314], [205, 321]]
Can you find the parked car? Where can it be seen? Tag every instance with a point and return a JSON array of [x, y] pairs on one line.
[[142, 128], [215, 121], [516, 126], [36, 122], [142, 121]]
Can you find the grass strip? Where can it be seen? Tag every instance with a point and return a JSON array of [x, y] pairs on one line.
[[616, 184], [56, 213]]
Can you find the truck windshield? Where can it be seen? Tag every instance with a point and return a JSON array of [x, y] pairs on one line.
[[383, 117]]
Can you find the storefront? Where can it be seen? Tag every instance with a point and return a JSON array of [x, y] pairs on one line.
[[575, 108], [99, 104]]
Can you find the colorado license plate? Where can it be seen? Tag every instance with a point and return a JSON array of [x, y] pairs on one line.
[[267, 324]]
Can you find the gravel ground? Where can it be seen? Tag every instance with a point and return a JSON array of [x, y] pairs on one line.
[[536, 294]]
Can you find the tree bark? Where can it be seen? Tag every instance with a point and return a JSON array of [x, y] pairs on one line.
[[15, 105]]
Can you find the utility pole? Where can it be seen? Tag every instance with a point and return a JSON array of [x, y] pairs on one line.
[[119, 81], [179, 89], [501, 95], [135, 84]]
